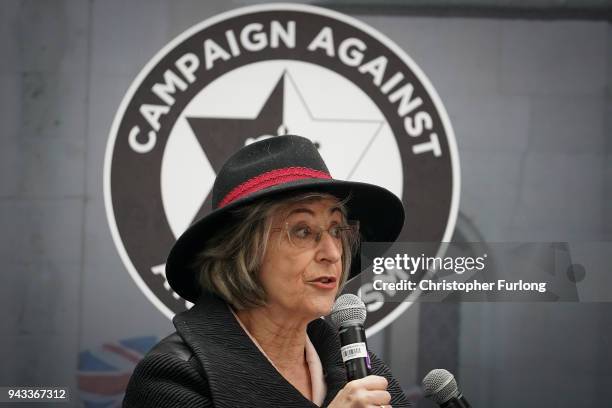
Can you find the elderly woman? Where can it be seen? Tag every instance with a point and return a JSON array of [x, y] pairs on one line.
[[262, 268]]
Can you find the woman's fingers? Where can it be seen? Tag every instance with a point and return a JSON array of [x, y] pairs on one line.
[[378, 398], [371, 382], [367, 392]]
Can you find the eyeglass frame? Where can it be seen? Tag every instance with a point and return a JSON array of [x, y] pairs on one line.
[[349, 225]]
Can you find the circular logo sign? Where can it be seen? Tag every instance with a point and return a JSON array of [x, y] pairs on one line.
[[266, 71]]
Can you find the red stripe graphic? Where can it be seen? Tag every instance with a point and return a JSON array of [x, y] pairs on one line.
[[112, 384], [128, 355]]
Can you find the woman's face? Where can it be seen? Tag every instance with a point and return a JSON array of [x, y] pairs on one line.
[[299, 278]]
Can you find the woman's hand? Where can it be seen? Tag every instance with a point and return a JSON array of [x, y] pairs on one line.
[[367, 392]]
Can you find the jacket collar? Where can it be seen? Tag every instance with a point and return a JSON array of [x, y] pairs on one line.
[[239, 375]]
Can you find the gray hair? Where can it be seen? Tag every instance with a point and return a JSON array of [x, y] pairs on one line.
[[229, 265]]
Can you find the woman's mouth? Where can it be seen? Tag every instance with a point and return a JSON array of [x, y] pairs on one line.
[[324, 282]]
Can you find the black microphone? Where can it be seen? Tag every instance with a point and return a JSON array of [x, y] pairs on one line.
[[440, 386], [348, 315]]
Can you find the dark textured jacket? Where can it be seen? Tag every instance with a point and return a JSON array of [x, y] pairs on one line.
[[211, 362]]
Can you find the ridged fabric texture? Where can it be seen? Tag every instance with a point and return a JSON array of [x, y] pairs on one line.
[[213, 363]]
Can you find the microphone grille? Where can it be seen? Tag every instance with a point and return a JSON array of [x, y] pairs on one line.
[[348, 308], [440, 386]]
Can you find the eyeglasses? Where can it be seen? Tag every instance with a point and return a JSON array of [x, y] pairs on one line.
[[305, 235]]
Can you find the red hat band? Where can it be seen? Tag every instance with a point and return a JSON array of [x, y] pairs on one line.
[[269, 179]]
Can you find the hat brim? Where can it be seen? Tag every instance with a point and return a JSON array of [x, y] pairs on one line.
[[380, 214]]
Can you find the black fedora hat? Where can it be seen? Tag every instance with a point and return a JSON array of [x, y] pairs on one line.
[[274, 167]]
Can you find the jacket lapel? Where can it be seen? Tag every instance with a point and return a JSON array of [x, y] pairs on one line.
[[325, 339], [239, 375]]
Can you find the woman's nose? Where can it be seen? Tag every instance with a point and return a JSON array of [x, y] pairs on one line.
[[329, 249]]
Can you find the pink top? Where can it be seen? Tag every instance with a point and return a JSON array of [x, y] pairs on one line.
[[319, 388]]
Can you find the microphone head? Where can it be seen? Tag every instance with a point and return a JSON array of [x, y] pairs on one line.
[[348, 310], [440, 386]]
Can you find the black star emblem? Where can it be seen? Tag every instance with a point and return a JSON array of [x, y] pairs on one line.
[[220, 137]]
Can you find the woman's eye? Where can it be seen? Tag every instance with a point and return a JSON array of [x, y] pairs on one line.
[[335, 231], [302, 232]]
